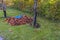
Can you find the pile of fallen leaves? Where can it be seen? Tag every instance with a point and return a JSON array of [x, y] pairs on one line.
[[15, 21]]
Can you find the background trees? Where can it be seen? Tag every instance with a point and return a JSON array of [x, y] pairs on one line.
[[47, 8]]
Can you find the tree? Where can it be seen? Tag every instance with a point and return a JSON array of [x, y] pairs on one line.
[[35, 12], [4, 8]]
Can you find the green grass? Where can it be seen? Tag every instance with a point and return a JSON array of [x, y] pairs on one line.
[[48, 31]]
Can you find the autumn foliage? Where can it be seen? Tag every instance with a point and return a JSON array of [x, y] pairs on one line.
[[14, 21]]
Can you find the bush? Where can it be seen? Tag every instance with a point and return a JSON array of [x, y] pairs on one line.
[[51, 11]]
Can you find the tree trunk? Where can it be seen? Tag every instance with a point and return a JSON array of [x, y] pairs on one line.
[[4, 9], [35, 12]]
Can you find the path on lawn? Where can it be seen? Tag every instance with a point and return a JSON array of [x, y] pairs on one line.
[[48, 31]]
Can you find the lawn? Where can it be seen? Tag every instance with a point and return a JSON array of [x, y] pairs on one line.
[[48, 31]]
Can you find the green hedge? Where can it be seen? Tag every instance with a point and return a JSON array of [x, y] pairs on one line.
[[51, 11]]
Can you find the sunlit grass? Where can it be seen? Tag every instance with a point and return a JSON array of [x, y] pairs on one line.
[[48, 30]]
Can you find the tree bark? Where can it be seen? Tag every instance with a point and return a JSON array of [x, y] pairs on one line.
[[4, 9], [35, 13]]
